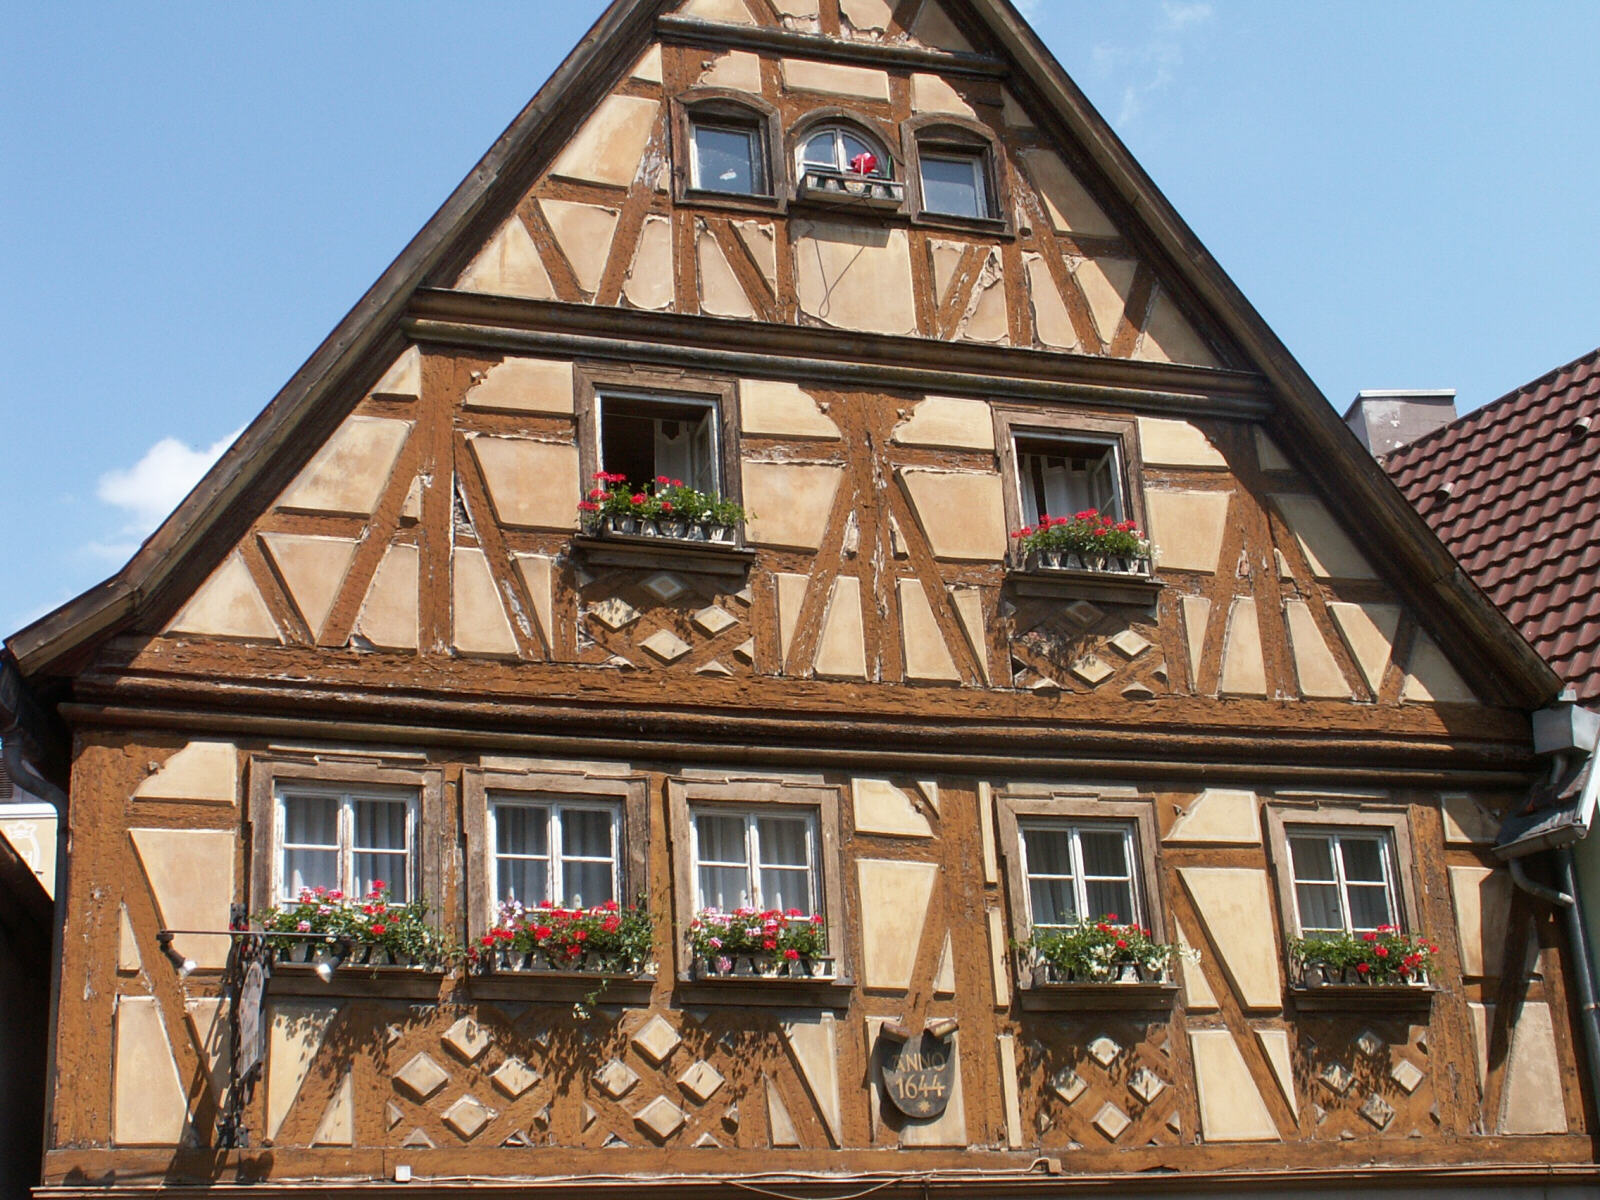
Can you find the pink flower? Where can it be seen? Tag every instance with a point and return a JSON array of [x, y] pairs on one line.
[[303, 927], [724, 965]]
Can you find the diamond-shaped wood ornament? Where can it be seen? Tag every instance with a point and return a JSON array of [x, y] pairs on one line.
[[1111, 1121], [1369, 1043], [614, 613], [422, 1077], [467, 1038], [701, 1080], [467, 1116], [1130, 644], [661, 1118], [1068, 1084], [665, 586], [714, 619], [1336, 1077], [514, 1077], [1103, 1050], [615, 1078], [656, 1039], [1146, 1084], [666, 645], [1377, 1110], [1407, 1075]]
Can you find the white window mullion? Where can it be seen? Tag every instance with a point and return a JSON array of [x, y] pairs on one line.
[[752, 843], [558, 887], [1344, 886]]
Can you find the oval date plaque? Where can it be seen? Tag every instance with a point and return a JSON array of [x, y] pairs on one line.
[[918, 1074]]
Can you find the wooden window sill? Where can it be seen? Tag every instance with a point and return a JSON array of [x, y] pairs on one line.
[[1095, 997], [1064, 583], [664, 553], [1361, 997]]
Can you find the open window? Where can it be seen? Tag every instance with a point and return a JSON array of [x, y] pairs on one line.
[[646, 437], [1063, 473]]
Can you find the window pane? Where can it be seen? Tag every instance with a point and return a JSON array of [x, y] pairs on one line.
[[1363, 859], [950, 185], [586, 883], [1049, 851], [785, 888], [1105, 852], [380, 824], [309, 869], [721, 839], [389, 868], [527, 880], [1052, 902], [783, 841], [819, 150], [311, 820], [726, 888], [1110, 898], [1313, 858], [586, 831], [521, 829], [1319, 907], [725, 160], [1369, 907]]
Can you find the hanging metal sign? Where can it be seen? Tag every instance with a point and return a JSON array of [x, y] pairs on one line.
[[918, 1073], [252, 1046]]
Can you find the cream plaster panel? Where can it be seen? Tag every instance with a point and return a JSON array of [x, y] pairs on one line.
[[1197, 993], [814, 1042], [294, 1037], [313, 569], [208, 1025], [999, 959], [1466, 822], [1483, 906], [1534, 1099], [149, 1107], [1275, 1045], [738, 69], [584, 232], [780, 1125], [191, 873], [927, 655], [1186, 528], [1007, 1045], [1368, 631], [867, 15], [389, 613], [203, 771], [791, 597], [1236, 906], [1015, 115], [894, 907], [1196, 615], [946, 421], [969, 608], [1231, 1109], [1051, 321], [348, 474], [337, 1127], [987, 320], [946, 260], [478, 618], [791, 501], [1168, 443], [805, 10], [1268, 456], [1219, 816], [768, 408], [881, 807], [128, 957], [403, 379], [931, 94], [608, 147], [721, 294], [1482, 1017], [806, 75], [1318, 671], [228, 605], [1168, 337], [1106, 283], [854, 276], [509, 266], [1328, 550], [841, 650], [729, 12], [535, 385], [933, 27], [1071, 208], [649, 284], [944, 975], [1431, 677], [537, 572], [1244, 671], [648, 68], [961, 512], [532, 485], [761, 240]]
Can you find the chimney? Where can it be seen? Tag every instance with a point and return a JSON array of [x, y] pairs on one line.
[[1387, 420]]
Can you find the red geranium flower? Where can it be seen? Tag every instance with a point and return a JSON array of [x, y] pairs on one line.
[[791, 954], [379, 929]]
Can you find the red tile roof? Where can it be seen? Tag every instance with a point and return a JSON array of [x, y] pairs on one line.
[[1513, 490]]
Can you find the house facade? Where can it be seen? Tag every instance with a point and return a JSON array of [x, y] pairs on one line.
[[879, 280]]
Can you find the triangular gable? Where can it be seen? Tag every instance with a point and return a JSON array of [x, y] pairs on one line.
[[1171, 284]]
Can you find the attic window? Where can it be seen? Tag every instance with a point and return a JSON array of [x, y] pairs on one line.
[[954, 183], [842, 149], [727, 157], [647, 437], [1061, 476]]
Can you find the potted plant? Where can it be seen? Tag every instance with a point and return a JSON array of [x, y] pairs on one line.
[[664, 507], [606, 939], [1384, 957], [1087, 541], [325, 927], [1100, 951], [749, 942]]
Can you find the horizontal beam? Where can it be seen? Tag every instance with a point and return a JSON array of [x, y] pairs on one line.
[[890, 55]]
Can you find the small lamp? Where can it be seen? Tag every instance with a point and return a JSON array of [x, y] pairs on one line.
[[185, 966]]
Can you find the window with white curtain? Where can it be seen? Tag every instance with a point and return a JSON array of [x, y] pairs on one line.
[[1079, 871], [345, 840], [644, 438], [1060, 476], [561, 851], [755, 859], [1344, 879]]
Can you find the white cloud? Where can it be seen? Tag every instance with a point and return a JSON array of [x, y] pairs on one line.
[[153, 486], [1180, 14], [1144, 71]]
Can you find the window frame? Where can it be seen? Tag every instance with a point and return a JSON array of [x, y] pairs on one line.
[[482, 787], [687, 796], [347, 796], [752, 816], [553, 807], [728, 108], [1075, 828], [839, 123], [1121, 433], [1072, 807], [424, 789], [943, 135], [603, 394], [1283, 818]]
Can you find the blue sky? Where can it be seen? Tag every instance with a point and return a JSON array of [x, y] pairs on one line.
[[195, 193]]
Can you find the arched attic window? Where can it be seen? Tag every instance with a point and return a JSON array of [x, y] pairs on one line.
[[840, 163], [956, 172], [729, 144]]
